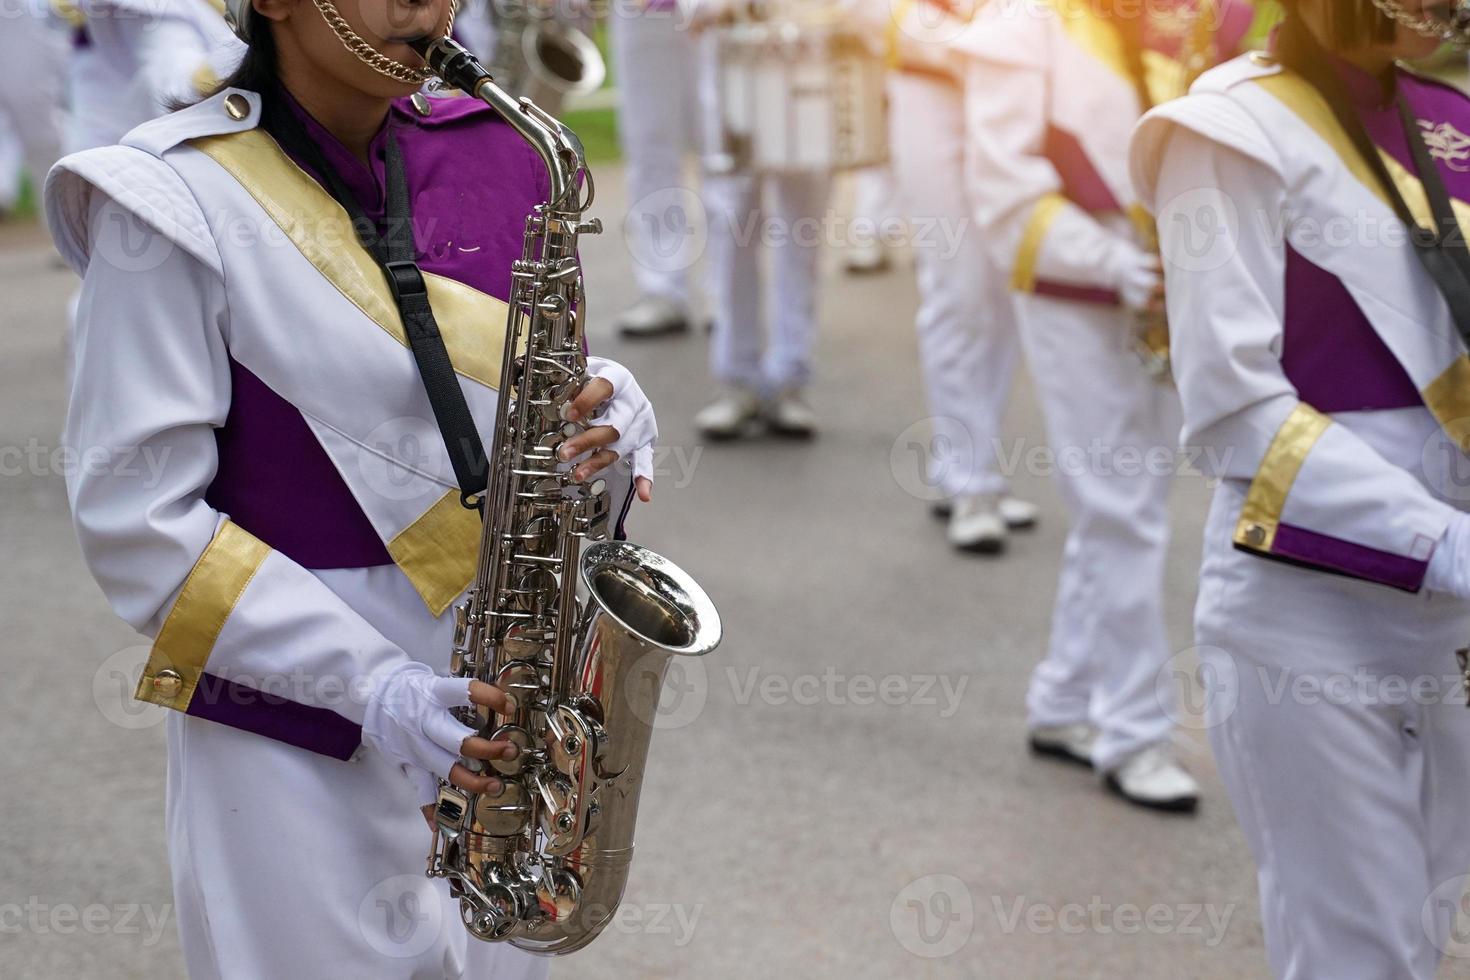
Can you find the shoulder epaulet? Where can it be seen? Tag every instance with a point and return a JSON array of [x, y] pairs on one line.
[[1237, 71], [1213, 110], [230, 111]]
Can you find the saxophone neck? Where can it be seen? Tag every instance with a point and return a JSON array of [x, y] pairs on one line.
[[559, 148]]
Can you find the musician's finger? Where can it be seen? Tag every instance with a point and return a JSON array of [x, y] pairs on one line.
[[493, 697], [594, 438], [645, 489], [476, 747], [593, 394], [594, 464], [466, 780]]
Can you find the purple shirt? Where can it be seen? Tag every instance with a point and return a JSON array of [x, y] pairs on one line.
[[1331, 353], [472, 180]]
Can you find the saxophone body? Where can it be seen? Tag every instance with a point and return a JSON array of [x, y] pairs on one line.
[[578, 628]]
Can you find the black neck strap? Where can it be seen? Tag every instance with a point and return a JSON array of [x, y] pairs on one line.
[[393, 249], [1441, 249]]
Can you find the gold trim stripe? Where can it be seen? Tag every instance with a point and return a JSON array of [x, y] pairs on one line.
[[438, 551], [209, 596], [69, 11], [1448, 399], [1167, 79], [1300, 97], [1023, 277], [1264, 501], [204, 79], [472, 322], [1447, 396]]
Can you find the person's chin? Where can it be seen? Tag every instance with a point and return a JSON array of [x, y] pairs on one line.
[[1416, 47]]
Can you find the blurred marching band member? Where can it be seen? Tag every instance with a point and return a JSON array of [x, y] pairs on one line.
[[133, 60], [1328, 373], [653, 62], [761, 350], [1053, 90], [32, 59], [873, 200], [297, 556], [473, 27], [966, 323]]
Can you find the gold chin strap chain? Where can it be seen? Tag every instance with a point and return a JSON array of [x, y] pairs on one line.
[[371, 56]]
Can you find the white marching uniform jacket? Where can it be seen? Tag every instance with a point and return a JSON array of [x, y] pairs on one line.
[[300, 530], [225, 607], [1322, 378], [1051, 103], [133, 60], [1312, 363], [287, 449]]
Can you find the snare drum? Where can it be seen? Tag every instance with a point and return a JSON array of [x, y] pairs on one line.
[[796, 98]]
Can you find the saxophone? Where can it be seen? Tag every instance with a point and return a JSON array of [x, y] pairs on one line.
[[580, 636]]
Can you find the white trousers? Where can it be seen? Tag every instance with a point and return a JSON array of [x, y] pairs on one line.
[[653, 62], [1113, 433], [874, 196], [743, 212], [287, 864], [32, 61], [12, 165], [966, 321], [1338, 721]]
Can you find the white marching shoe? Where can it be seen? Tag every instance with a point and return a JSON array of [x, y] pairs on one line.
[[1069, 743], [866, 259], [975, 524], [1017, 513], [730, 415], [1153, 778], [789, 415], [652, 316]]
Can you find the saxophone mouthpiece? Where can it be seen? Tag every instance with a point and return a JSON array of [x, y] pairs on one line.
[[451, 62]]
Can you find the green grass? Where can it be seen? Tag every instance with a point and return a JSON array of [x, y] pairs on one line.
[[599, 131], [25, 207], [598, 127]]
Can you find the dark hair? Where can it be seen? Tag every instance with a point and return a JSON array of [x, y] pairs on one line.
[[257, 72], [1349, 24]]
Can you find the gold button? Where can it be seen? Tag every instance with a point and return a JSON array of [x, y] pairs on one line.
[[421, 104], [1262, 59], [167, 684], [237, 106], [1255, 535]]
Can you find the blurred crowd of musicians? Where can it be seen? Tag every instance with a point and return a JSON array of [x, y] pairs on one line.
[[1157, 260]]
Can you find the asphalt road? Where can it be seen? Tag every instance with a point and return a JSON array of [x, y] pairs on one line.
[[840, 791]]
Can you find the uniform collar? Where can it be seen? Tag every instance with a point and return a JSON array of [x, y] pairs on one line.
[[366, 181], [1365, 90]]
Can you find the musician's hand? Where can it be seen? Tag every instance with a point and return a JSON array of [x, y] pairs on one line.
[[1138, 276], [612, 397], [1156, 305], [408, 719]]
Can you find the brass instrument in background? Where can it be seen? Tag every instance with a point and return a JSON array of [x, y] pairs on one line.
[[1150, 341], [580, 636], [539, 57]]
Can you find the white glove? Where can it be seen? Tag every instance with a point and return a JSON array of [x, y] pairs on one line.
[[1136, 275], [630, 412], [408, 720], [1449, 566]]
